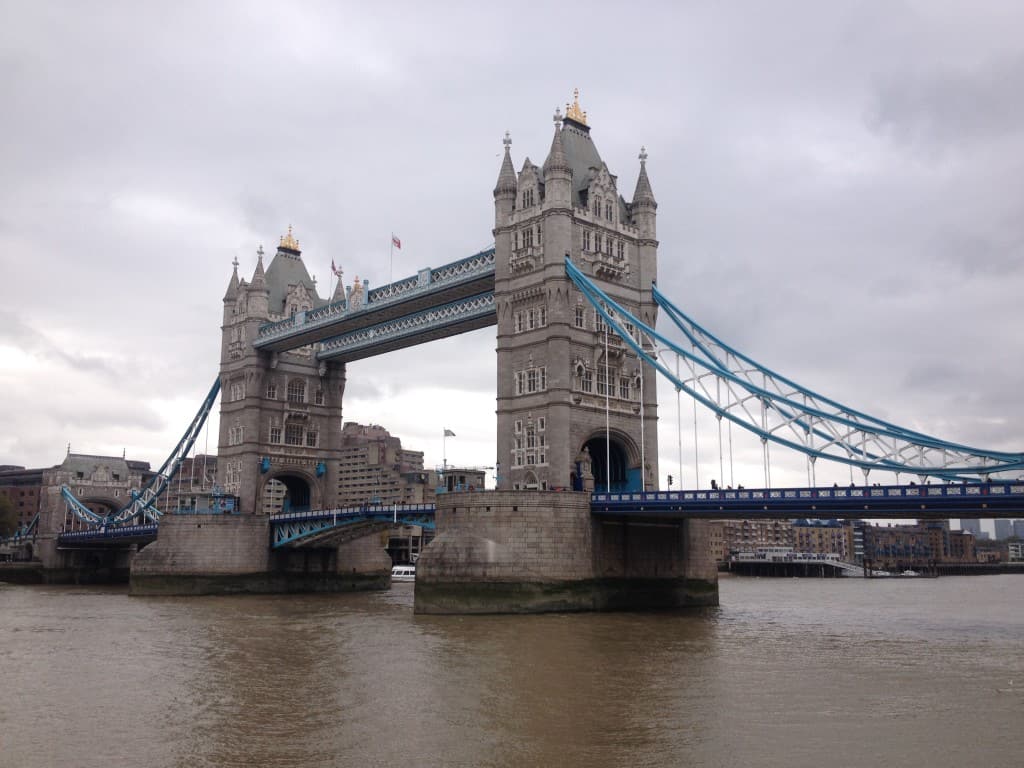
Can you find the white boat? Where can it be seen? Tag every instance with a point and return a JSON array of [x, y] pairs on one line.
[[403, 573], [909, 572]]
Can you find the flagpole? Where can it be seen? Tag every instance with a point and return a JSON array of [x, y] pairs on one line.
[[391, 260]]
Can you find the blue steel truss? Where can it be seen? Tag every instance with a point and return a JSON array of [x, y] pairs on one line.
[[142, 503], [424, 282], [457, 313], [776, 409], [290, 528], [24, 533], [114, 534], [936, 502]]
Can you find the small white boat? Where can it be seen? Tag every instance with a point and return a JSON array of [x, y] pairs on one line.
[[909, 572], [403, 573]]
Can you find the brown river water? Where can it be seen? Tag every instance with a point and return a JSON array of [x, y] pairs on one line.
[[787, 672]]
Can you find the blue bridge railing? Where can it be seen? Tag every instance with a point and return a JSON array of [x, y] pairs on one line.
[[911, 501]]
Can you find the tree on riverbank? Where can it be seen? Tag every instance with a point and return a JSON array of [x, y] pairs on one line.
[[8, 516]]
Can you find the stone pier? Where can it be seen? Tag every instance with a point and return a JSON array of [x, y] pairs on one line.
[[535, 552], [226, 554]]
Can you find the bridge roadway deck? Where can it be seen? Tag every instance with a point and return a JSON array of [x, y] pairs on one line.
[[925, 502], [429, 289], [936, 502]]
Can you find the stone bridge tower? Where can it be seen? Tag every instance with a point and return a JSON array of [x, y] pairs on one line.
[[563, 388], [280, 415]]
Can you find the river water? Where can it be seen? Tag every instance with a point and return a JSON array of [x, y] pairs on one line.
[[787, 672]]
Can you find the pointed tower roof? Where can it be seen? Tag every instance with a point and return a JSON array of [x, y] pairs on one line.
[[232, 291], [287, 270], [507, 176], [259, 277], [643, 192], [557, 160]]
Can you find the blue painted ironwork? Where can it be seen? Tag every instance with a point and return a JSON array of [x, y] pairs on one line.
[[424, 282], [24, 532], [434, 319], [939, 502], [775, 409], [109, 534], [142, 503], [291, 528]]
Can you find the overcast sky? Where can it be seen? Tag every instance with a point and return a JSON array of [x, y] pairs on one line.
[[840, 190]]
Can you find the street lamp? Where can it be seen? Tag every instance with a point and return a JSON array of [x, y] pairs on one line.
[[497, 474]]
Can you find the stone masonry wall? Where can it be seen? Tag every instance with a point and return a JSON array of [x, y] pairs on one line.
[[206, 545], [509, 536]]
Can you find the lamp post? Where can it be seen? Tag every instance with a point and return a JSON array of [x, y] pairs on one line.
[[497, 474]]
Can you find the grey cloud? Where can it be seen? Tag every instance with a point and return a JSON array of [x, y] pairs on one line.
[[941, 108]]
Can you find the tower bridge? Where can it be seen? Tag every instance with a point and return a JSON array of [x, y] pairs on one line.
[[570, 286]]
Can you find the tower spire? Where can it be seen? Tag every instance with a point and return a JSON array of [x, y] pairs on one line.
[[232, 291], [643, 193], [259, 277], [507, 175], [556, 161]]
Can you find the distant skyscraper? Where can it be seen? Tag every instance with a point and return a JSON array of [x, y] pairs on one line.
[[971, 526], [1018, 529], [1004, 529]]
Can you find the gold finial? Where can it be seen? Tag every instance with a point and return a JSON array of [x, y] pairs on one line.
[[573, 111], [288, 241]]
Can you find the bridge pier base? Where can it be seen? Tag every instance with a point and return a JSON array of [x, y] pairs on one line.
[[537, 552], [230, 554]]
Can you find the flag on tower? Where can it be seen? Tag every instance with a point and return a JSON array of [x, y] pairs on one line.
[[334, 270], [449, 433], [395, 241]]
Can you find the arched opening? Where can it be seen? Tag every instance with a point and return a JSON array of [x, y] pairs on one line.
[[285, 493], [610, 465]]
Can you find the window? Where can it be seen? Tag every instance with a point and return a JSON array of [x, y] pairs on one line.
[[608, 210], [275, 435], [237, 391], [518, 426], [542, 316], [293, 434], [597, 208], [624, 388], [608, 245], [579, 317], [531, 458], [531, 438], [586, 239], [236, 435], [622, 249], [602, 382], [599, 323], [587, 381], [531, 319], [528, 198], [531, 380], [271, 391], [597, 242], [311, 438], [519, 443], [318, 397], [541, 423], [296, 391]]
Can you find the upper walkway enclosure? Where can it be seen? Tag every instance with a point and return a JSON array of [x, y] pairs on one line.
[[445, 301]]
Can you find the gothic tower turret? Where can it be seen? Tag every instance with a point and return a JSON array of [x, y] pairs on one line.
[[566, 388], [280, 414]]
